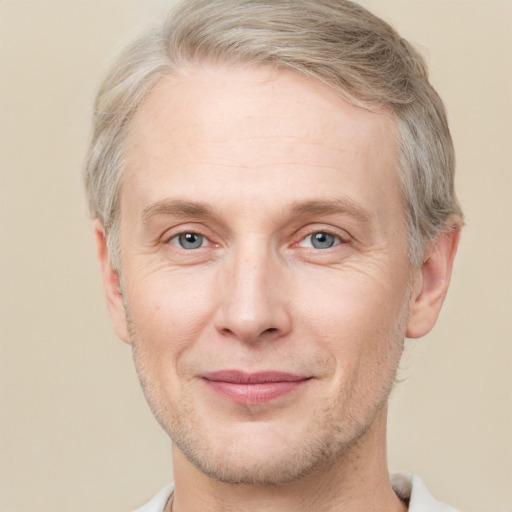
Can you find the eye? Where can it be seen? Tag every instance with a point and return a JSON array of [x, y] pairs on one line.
[[321, 240], [189, 241]]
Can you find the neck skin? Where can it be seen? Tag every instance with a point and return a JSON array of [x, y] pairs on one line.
[[358, 481]]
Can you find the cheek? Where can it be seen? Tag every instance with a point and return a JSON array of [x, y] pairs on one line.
[[355, 321], [167, 316], [168, 311], [358, 319], [345, 301]]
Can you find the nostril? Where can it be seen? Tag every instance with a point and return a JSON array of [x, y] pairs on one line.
[[270, 329]]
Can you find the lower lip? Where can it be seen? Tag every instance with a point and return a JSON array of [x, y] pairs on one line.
[[254, 393]]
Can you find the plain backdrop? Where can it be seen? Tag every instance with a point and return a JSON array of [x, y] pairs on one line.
[[76, 434]]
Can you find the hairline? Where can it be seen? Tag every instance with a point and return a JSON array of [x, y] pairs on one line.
[[423, 145]]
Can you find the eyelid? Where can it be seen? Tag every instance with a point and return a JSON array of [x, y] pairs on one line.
[[304, 233], [183, 229], [336, 241], [175, 240]]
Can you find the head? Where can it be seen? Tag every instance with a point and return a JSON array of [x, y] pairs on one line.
[[273, 183]]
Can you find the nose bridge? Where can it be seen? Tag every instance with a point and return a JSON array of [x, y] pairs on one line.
[[253, 303]]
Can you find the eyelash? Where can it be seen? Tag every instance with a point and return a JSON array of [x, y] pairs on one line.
[[338, 239], [177, 240]]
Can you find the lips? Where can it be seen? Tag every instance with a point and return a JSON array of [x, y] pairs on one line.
[[253, 388]]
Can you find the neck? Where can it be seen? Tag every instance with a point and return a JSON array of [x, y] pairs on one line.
[[357, 480]]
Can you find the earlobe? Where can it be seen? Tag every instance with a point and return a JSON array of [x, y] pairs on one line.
[[432, 281], [111, 284]]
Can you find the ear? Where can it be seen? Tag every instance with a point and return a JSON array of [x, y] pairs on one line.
[[111, 284], [432, 281]]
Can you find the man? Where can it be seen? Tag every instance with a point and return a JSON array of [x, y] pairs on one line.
[[272, 188]]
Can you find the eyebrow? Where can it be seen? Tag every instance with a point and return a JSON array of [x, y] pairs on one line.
[[181, 208], [178, 208], [333, 206]]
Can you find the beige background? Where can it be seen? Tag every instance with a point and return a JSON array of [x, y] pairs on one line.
[[76, 434]]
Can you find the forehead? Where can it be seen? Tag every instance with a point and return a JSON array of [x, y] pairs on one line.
[[208, 125]]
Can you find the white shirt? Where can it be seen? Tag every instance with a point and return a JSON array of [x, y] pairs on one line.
[[406, 485]]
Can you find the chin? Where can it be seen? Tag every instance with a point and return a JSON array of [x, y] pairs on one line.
[[258, 466], [259, 453]]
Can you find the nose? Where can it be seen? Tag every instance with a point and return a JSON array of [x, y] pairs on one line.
[[253, 302]]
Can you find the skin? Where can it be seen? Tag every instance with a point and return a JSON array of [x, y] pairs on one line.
[[255, 161]]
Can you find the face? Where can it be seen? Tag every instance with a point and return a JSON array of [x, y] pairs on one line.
[[265, 275]]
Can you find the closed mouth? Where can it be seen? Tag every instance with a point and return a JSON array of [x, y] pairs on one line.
[[253, 388]]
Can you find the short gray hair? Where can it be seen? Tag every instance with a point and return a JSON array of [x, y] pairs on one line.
[[335, 41]]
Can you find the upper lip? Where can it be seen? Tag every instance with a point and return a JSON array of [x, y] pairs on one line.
[[241, 377]]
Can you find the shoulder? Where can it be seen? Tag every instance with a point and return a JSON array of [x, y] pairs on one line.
[[159, 500], [412, 488]]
